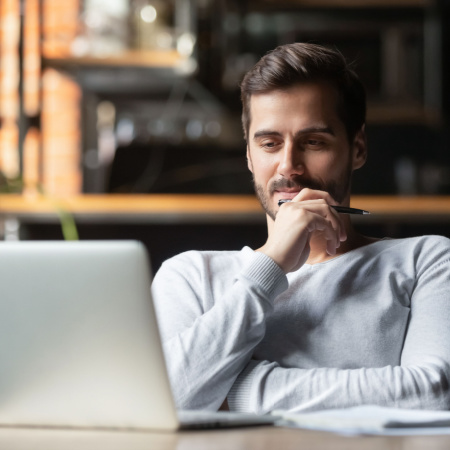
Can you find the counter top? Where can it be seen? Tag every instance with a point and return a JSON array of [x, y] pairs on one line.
[[205, 208]]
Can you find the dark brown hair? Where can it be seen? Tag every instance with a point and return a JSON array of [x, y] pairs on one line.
[[296, 63]]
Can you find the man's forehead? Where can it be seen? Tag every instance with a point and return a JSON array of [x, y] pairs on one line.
[[315, 103]]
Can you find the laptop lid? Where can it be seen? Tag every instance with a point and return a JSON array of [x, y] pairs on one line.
[[79, 343]]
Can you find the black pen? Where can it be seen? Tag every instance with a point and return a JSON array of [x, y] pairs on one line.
[[339, 209]]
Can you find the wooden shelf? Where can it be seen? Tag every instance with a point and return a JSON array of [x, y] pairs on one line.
[[130, 58], [136, 208], [398, 206], [165, 208]]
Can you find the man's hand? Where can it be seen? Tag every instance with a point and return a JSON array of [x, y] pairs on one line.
[[289, 239]]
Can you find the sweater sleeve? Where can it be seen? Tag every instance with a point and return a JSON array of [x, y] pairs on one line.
[[421, 380], [208, 337]]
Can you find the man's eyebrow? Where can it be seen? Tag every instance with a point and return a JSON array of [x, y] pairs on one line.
[[261, 133], [327, 130]]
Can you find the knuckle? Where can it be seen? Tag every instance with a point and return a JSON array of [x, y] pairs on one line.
[[301, 214]]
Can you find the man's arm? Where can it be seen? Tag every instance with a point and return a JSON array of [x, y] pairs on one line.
[[420, 380], [209, 336], [264, 387]]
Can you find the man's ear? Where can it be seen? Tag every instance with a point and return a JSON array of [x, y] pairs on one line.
[[249, 160], [359, 148]]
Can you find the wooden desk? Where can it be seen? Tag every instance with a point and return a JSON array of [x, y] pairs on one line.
[[266, 438]]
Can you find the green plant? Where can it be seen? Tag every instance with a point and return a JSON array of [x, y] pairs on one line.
[[68, 226], [10, 185]]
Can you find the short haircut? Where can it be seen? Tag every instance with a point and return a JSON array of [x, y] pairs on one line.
[[292, 64]]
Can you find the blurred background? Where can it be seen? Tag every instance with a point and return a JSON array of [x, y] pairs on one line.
[[112, 97]]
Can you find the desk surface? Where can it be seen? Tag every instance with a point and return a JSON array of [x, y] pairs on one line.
[[258, 438]]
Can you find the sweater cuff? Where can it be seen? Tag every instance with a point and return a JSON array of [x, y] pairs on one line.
[[240, 393], [264, 271]]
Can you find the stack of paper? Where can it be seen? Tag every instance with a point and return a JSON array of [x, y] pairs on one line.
[[370, 420]]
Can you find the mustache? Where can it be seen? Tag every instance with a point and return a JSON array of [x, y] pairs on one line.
[[299, 184]]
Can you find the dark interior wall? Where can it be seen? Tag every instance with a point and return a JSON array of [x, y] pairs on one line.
[[162, 241], [165, 241]]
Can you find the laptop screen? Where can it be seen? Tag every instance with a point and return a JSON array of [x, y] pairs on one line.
[[79, 343]]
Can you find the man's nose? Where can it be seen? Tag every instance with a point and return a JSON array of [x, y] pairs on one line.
[[291, 162]]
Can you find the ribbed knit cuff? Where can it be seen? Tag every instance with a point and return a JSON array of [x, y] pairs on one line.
[[240, 394], [265, 272]]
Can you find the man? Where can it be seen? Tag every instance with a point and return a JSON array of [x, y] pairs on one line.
[[319, 317]]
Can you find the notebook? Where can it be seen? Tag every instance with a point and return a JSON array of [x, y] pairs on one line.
[[79, 342]]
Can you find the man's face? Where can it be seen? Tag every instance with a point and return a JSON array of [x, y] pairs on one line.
[[296, 140]]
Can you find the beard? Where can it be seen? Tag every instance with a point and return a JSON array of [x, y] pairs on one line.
[[338, 189]]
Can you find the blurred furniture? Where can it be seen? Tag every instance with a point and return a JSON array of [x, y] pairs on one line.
[[185, 110], [185, 208]]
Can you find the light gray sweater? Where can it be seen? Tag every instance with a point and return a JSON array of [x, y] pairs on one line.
[[369, 327]]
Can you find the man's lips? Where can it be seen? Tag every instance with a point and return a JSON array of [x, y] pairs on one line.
[[288, 194]]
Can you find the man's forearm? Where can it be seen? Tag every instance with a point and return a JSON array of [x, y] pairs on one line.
[[206, 351], [263, 387]]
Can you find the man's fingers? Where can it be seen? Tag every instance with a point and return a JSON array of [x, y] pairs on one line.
[[311, 196], [322, 209], [330, 234]]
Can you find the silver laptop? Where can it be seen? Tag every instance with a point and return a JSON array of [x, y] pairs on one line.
[[79, 343]]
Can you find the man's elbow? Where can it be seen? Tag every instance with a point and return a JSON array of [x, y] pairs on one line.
[[437, 396]]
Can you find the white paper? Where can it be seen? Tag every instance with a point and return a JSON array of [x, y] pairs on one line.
[[370, 420]]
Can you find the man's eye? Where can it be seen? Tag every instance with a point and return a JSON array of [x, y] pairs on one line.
[[314, 144], [268, 144]]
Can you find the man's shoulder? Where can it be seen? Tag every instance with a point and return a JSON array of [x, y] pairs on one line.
[[410, 254], [420, 251], [417, 243]]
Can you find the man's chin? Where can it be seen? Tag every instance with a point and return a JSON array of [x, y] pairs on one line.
[[269, 208]]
